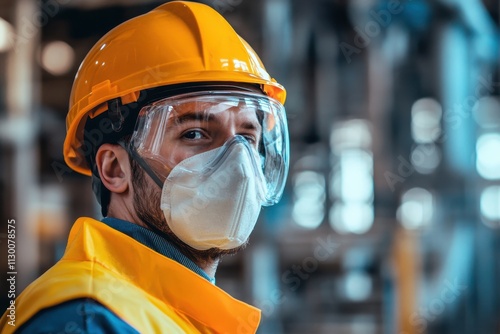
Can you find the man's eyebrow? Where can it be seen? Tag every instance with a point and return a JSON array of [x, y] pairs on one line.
[[248, 125], [194, 116], [203, 116]]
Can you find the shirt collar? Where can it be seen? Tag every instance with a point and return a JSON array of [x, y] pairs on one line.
[[156, 242]]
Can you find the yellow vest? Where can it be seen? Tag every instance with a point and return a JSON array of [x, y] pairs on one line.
[[149, 291]]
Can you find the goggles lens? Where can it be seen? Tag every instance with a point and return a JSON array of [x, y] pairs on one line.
[[178, 127]]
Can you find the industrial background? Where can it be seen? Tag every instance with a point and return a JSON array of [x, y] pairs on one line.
[[391, 215]]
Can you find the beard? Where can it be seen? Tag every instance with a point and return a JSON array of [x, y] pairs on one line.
[[147, 197]]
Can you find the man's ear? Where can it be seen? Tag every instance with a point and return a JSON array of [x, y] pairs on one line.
[[114, 167]]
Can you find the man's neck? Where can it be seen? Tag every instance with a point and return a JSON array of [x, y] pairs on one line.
[[210, 267]]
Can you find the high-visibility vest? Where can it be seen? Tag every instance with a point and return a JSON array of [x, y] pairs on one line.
[[149, 291]]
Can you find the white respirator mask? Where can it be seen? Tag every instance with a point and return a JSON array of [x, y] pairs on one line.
[[213, 199], [218, 157]]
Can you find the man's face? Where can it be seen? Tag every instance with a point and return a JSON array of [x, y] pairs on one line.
[[191, 129]]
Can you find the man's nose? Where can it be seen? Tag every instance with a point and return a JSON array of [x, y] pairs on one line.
[[225, 135]]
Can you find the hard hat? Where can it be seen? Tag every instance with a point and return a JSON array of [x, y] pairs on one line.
[[176, 43]]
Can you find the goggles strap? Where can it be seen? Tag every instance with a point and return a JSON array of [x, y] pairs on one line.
[[144, 165]]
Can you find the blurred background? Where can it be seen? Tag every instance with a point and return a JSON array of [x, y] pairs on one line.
[[391, 215]]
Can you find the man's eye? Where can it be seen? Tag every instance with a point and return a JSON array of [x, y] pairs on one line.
[[193, 135], [251, 139]]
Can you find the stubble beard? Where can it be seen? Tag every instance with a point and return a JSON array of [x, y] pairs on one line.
[[147, 197]]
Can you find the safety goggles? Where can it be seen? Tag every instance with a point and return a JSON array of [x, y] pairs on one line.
[[173, 129]]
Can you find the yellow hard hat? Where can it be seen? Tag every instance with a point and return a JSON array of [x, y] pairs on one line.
[[178, 42]]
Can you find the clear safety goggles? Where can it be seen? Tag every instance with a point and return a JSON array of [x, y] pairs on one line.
[[173, 129]]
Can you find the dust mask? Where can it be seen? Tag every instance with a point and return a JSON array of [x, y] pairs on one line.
[[213, 199]]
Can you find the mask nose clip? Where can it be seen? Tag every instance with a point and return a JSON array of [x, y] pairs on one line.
[[227, 148], [236, 139]]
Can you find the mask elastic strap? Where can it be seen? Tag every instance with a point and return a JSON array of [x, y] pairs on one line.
[[144, 165], [136, 157]]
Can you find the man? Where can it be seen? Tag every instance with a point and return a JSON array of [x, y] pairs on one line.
[[184, 134]]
